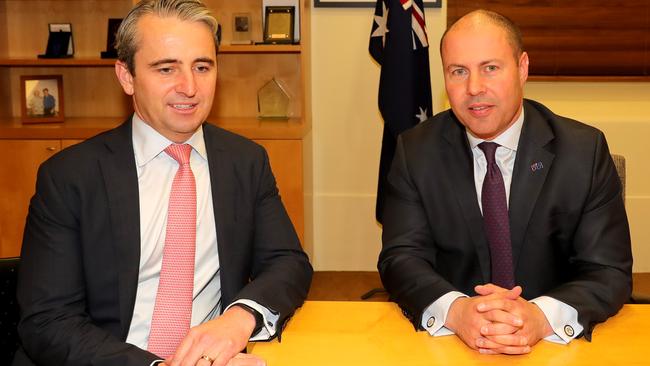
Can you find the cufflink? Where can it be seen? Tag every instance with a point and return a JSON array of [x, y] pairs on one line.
[[568, 330], [430, 322]]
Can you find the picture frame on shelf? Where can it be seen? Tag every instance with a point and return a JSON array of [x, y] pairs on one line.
[[60, 43], [278, 24], [296, 21], [64, 27], [41, 98], [113, 25], [241, 28]]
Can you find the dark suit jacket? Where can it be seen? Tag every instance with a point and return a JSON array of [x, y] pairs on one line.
[[569, 230], [81, 249]]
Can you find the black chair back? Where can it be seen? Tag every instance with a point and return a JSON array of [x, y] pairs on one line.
[[8, 309]]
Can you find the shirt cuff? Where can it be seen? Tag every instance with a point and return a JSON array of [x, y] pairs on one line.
[[562, 317], [156, 362], [435, 316], [270, 319]]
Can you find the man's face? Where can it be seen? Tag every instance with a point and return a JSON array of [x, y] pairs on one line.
[[175, 75], [483, 78], [45, 92]]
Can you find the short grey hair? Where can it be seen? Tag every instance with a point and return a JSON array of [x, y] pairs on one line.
[[126, 42]]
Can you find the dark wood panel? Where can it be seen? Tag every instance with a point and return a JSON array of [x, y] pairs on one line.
[[580, 37]]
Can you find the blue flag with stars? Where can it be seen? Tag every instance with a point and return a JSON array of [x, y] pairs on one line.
[[399, 43]]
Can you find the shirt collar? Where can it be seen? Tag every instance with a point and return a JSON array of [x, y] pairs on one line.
[[509, 138], [148, 143]]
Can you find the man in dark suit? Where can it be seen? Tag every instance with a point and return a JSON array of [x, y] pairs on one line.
[[505, 222], [95, 252]]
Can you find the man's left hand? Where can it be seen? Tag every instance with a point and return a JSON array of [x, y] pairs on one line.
[[535, 325], [219, 340]]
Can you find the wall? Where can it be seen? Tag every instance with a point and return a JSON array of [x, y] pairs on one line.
[[347, 127]]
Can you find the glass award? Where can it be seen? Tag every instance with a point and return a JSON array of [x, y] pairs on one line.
[[273, 101]]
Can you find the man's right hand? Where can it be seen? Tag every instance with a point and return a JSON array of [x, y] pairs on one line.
[[465, 320]]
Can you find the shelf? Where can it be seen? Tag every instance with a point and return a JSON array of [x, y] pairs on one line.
[[66, 62], [85, 127], [99, 62]]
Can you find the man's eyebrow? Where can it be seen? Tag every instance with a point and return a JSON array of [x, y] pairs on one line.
[[164, 61], [482, 63], [486, 62], [207, 60]]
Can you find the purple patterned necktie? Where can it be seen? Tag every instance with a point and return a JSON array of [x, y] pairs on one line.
[[495, 220]]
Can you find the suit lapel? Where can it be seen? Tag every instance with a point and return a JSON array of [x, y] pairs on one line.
[[120, 177], [532, 164], [461, 171], [224, 190]]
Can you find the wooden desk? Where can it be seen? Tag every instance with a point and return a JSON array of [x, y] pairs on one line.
[[375, 334]]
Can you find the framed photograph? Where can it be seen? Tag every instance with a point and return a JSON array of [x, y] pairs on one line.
[[64, 27], [41, 98], [364, 4], [113, 25], [241, 28], [278, 24]]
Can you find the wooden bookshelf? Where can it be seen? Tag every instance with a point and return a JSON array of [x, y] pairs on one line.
[[95, 102]]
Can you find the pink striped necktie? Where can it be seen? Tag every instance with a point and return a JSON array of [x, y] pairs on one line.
[[173, 309]]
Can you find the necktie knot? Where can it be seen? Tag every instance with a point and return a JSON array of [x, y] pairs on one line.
[[180, 153], [489, 149]]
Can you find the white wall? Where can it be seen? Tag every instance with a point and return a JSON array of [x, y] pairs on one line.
[[347, 127]]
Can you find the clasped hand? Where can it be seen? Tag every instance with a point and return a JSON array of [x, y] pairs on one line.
[[498, 321], [220, 340]]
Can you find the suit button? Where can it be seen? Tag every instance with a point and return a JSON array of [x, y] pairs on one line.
[[568, 330], [430, 322]]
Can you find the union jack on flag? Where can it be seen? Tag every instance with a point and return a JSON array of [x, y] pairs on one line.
[[417, 22], [399, 43]]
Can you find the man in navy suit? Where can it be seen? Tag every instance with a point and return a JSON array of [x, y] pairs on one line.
[[566, 256], [94, 239]]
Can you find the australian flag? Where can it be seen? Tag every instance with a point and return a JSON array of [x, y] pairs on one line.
[[399, 43]]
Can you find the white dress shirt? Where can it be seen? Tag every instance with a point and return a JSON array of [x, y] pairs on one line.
[[559, 315], [156, 171]]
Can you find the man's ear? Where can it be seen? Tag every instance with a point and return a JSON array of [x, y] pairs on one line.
[[523, 67], [124, 77]]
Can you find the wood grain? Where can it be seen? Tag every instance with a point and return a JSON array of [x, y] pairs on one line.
[[581, 37], [18, 179]]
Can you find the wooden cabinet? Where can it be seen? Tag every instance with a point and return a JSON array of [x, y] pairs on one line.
[[19, 161], [94, 101]]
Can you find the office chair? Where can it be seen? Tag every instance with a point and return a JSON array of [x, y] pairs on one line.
[[619, 163], [8, 309]]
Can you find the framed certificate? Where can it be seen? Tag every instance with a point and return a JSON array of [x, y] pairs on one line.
[[278, 24]]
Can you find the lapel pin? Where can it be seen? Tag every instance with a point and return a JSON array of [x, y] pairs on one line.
[[536, 166]]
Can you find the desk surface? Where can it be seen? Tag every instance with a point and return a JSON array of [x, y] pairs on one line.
[[376, 334]]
